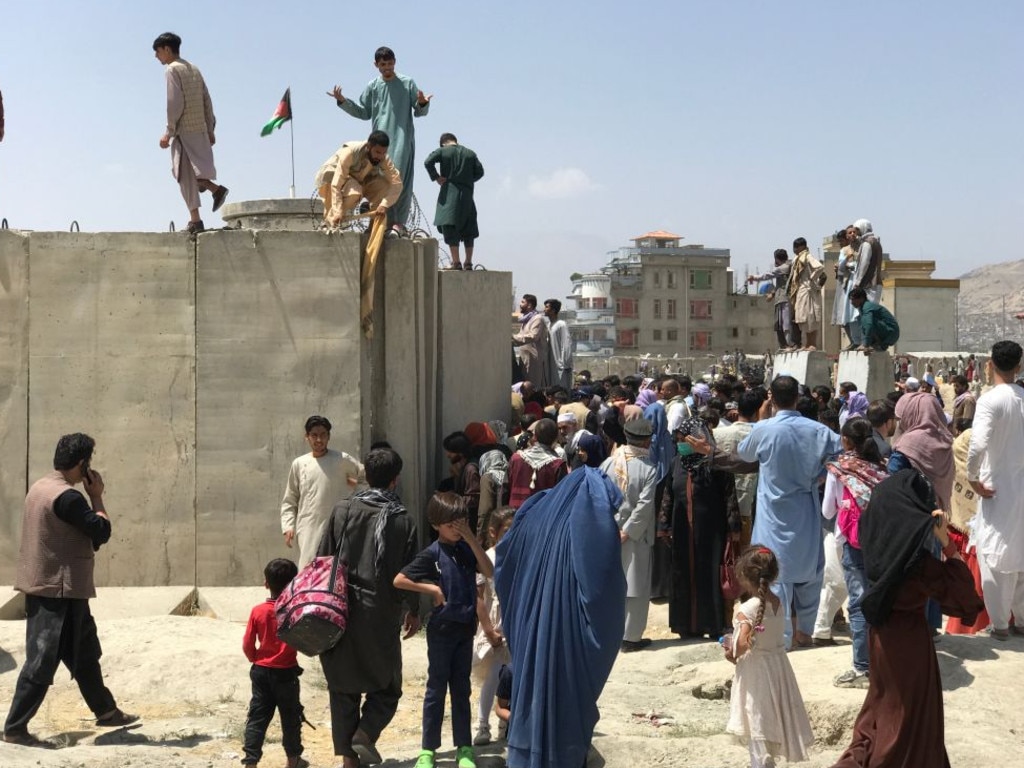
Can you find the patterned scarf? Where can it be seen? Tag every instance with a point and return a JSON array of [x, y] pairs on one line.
[[620, 464], [858, 476], [694, 427], [390, 505]]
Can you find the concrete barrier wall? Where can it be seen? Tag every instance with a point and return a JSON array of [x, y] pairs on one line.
[[195, 365], [277, 340], [111, 353], [13, 394], [474, 348]]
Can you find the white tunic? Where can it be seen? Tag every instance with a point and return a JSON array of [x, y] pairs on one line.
[[996, 458], [314, 487]]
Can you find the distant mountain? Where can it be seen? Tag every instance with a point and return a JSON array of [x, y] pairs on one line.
[[990, 296]]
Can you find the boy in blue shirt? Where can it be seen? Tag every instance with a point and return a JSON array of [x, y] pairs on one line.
[[446, 570]]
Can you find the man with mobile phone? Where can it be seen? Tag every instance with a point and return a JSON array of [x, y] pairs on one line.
[[60, 535]]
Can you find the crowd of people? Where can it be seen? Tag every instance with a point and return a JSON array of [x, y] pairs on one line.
[[796, 292], [901, 511]]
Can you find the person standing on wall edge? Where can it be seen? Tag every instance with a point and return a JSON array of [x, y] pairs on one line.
[[190, 129], [60, 535], [390, 102]]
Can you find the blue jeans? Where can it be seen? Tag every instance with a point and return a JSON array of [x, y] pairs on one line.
[[856, 585], [449, 661]]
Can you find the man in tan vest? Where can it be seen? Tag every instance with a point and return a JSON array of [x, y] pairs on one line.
[[60, 534], [189, 133]]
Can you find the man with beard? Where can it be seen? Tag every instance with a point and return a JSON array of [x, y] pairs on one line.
[[60, 535], [359, 169]]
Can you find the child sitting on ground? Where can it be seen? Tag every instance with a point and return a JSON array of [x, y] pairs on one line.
[[446, 570], [274, 674], [489, 649], [766, 709]]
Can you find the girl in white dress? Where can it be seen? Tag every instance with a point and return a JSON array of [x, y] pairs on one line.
[[766, 709]]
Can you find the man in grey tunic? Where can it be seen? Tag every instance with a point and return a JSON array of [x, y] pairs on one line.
[[190, 129], [376, 537], [636, 476]]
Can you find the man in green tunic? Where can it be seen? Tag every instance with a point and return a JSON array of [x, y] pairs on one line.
[[390, 102], [456, 211]]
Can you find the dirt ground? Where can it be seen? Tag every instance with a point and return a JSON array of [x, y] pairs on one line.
[[665, 706]]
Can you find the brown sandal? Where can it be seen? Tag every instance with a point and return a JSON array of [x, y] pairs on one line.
[[116, 719]]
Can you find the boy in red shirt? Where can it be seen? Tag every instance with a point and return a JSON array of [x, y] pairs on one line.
[[274, 674]]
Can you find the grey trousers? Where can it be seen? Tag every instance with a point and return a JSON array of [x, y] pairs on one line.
[[637, 609]]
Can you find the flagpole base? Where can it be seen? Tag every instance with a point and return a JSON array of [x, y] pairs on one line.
[[291, 192], [278, 214]]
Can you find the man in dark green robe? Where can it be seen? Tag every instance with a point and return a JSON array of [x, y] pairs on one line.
[[877, 324], [456, 211]]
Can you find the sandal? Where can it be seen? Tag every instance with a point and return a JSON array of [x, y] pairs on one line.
[[26, 739], [116, 719], [456, 267], [219, 197]]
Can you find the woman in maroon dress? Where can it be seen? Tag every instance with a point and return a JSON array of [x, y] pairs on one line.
[[901, 722]]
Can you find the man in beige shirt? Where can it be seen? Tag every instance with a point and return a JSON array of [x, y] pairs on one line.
[[190, 126], [359, 169]]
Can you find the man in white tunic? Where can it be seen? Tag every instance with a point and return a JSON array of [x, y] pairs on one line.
[[190, 126], [637, 477], [317, 481], [995, 469]]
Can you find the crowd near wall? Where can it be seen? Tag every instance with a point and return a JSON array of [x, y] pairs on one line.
[[195, 363]]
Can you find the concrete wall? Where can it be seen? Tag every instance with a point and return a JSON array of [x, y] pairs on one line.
[[873, 374], [195, 364], [277, 339], [13, 394], [111, 353], [474, 350], [927, 317], [809, 368]]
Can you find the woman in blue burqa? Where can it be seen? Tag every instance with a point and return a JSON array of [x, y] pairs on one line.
[[563, 601]]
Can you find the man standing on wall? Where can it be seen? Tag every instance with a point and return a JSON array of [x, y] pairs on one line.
[[190, 126], [60, 534], [780, 277], [455, 216], [390, 102], [560, 361], [805, 281]]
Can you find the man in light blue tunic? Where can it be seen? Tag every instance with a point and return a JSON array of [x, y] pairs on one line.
[[391, 101], [792, 451]]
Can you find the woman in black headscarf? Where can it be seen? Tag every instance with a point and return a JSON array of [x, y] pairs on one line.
[[901, 722], [698, 512]]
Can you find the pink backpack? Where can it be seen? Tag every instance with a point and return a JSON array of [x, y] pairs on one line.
[[848, 519], [313, 609]]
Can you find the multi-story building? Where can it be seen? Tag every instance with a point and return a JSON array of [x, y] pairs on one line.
[[593, 329], [663, 298]]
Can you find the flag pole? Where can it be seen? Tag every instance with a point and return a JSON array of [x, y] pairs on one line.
[[291, 190]]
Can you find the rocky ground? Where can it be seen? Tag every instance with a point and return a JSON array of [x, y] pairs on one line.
[[665, 706]]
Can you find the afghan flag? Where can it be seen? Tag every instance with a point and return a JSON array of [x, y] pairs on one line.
[[282, 114]]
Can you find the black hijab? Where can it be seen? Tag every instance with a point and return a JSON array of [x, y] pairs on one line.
[[896, 531]]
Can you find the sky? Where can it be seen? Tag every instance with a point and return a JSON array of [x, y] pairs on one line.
[[736, 124]]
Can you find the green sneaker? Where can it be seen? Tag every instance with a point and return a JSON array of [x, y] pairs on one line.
[[426, 759], [465, 757]]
